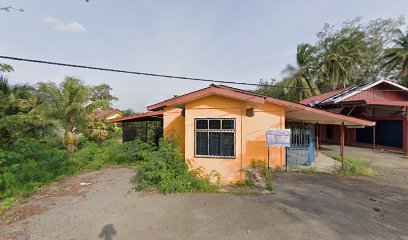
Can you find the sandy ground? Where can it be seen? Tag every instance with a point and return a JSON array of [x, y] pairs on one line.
[[306, 206]]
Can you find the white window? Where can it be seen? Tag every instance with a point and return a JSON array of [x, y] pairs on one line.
[[215, 137]]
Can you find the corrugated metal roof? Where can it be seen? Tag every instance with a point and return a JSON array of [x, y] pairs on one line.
[[345, 92], [322, 96]]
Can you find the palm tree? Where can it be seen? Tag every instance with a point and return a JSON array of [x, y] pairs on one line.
[[69, 103], [17, 98], [337, 63], [301, 77], [397, 56], [16, 118]]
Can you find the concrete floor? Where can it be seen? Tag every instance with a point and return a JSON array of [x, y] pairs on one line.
[[306, 206]]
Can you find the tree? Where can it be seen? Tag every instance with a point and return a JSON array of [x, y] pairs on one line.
[[70, 103], [16, 98], [102, 92], [128, 112], [16, 117], [301, 81], [353, 54], [276, 89], [5, 68], [397, 56]]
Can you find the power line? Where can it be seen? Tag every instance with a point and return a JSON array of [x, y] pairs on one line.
[[160, 75], [141, 73]]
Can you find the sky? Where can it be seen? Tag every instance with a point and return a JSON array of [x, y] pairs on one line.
[[242, 41]]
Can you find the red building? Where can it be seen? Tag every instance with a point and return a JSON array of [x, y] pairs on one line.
[[383, 101]]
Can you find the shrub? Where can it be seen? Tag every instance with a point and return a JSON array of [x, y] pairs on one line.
[[268, 178], [93, 155], [28, 164], [166, 170], [354, 166], [131, 152]]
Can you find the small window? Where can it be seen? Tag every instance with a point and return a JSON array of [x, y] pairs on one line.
[[215, 137]]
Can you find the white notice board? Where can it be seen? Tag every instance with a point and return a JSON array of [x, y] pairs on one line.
[[278, 137]]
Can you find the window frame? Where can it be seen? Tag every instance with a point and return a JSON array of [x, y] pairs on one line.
[[208, 130]]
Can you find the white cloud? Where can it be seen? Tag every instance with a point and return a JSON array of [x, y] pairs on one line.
[[59, 25]]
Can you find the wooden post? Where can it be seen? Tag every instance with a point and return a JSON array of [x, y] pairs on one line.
[[342, 144], [374, 137], [405, 132], [317, 139], [268, 158]]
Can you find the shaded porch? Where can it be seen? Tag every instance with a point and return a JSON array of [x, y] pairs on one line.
[[145, 127]]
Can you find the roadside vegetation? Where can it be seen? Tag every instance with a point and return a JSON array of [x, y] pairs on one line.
[[166, 170], [354, 166], [49, 131], [258, 180]]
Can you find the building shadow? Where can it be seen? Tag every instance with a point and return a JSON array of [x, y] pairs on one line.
[[107, 232]]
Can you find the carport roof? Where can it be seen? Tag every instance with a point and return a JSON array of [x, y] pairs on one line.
[[139, 117], [295, 112]]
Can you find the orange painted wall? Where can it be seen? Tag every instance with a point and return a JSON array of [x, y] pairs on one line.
[[254, 139], [216, 107], [249, 135], [173, 123]]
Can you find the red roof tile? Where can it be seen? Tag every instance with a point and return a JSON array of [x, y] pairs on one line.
[[104, 113]]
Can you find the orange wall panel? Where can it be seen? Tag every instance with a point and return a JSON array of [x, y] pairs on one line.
[[254, 135], [173, 123], [215, 107], [249, 133]]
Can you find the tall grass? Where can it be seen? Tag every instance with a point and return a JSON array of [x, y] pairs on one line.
[[354, 166]]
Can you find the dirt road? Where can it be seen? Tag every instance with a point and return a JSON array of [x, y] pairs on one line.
[[306, 206]]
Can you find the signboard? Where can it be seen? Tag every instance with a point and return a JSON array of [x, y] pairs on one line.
[[278, 137]]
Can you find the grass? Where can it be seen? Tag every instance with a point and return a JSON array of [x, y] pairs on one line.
[[268, 179], [8, 203], [354, 166], [279, 169]]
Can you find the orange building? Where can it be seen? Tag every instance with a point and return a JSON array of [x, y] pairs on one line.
[[224, 129]]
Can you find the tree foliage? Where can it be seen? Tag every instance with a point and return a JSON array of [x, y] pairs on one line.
[[352, 54], [70, 103]]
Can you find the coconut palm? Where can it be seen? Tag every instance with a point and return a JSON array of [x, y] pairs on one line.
[[16, 98], [69, 103], [397, 56], [337, 63], [17, 120], [301, 77]]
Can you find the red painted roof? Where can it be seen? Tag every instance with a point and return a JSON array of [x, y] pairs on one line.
[[382, 91], [212, 89], [104, 113], [255, 98], [386, 102], [323, 96], [137, 116]]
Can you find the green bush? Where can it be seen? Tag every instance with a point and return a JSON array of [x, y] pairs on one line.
[[28, 164], [354, 166], [131, 152], [93, 155], [166, 170]]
